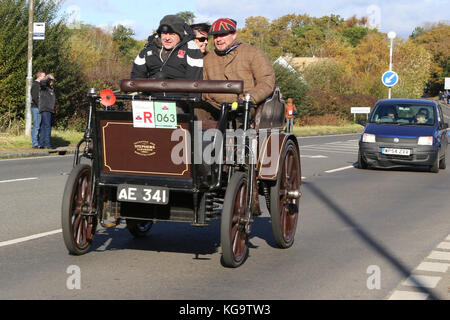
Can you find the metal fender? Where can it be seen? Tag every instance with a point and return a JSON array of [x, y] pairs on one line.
[[269, 162]]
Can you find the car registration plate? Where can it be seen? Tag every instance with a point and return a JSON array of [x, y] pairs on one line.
[[397, 152], [142, 194]]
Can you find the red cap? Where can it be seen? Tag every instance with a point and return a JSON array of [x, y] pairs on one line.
[[223, 26]]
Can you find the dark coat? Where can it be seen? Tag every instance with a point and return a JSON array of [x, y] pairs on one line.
[[184, 62], [46, 98], [35, 88]]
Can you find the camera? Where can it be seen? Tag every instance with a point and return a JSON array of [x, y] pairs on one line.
[[47, 82]]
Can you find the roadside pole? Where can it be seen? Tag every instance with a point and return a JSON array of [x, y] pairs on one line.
[[391, 36], [29, 69]]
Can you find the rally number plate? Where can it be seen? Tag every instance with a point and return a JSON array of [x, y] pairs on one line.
[[142, 194]]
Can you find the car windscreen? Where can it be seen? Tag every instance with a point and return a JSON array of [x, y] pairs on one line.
[[403, 114]]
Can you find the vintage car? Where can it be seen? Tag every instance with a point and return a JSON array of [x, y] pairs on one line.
[[156, 162], [404, 132]]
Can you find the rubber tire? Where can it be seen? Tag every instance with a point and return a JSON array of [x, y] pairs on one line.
[[277, 229], [70, 191], [435, 166], [139, 228], [229, 259], [442, 163], [362, 164]]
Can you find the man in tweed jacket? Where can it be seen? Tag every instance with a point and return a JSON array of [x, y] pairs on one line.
[[234, 60]]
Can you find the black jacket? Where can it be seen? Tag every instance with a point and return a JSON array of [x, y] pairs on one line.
[[46, 98], [184, 62], [35, 88]]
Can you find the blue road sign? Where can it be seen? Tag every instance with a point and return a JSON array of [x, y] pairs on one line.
[[389, 78]]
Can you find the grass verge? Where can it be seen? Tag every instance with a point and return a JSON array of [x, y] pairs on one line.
[[61, 139], [304, 131]]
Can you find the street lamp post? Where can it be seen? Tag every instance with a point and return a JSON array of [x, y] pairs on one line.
[[29, 69], [391, 36]]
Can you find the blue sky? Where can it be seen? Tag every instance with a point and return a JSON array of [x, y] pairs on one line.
[[143, 16]]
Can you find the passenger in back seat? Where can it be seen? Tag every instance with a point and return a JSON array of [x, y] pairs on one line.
[[171, 53]]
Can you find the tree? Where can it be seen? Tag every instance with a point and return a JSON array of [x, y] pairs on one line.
[[281, 39], [355, 34], [291, 85], [436, 39], [187, 16], [256, 32], [368, 62], [50, 55], [128, 46], [102, 64], [413, 63]]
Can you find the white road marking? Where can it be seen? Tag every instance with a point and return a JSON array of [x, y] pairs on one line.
[[331, 135], [313, 157], [332, 151], [18, 180], [448, 238], [444, 245], [439, 255], [423, 281], [348, 147], [349, 142], [339, 169], [33, 237], [433, 266], [408, 295]]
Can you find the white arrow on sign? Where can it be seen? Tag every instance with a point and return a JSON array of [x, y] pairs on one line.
[[389, 78]]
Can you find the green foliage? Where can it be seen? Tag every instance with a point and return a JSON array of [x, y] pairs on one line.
[[128, 46], [187, 16], [436, 40], [355, 34], [413, 62], [49, 55], [291, 85]]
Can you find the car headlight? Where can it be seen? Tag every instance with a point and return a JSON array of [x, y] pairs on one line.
[[425, 141], [370, 138]]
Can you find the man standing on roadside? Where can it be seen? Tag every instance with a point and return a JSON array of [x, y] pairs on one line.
[[35, 90], [47, 110], [290, 112]]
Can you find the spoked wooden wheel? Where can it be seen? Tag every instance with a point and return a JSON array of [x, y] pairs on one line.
[[233, 236], [77, 224], [284, 197]]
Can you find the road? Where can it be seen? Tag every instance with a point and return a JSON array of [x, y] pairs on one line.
[[361, 234]]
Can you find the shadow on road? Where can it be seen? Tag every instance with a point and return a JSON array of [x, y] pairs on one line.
[[177, 237], [367, 238]]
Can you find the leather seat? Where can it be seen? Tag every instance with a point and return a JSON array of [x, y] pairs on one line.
[[271, 114]]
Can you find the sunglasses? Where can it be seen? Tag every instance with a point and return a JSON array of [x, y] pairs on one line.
[[202, 39]]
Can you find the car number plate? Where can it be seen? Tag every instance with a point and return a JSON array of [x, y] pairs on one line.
[[142, 194], [398, 152]]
